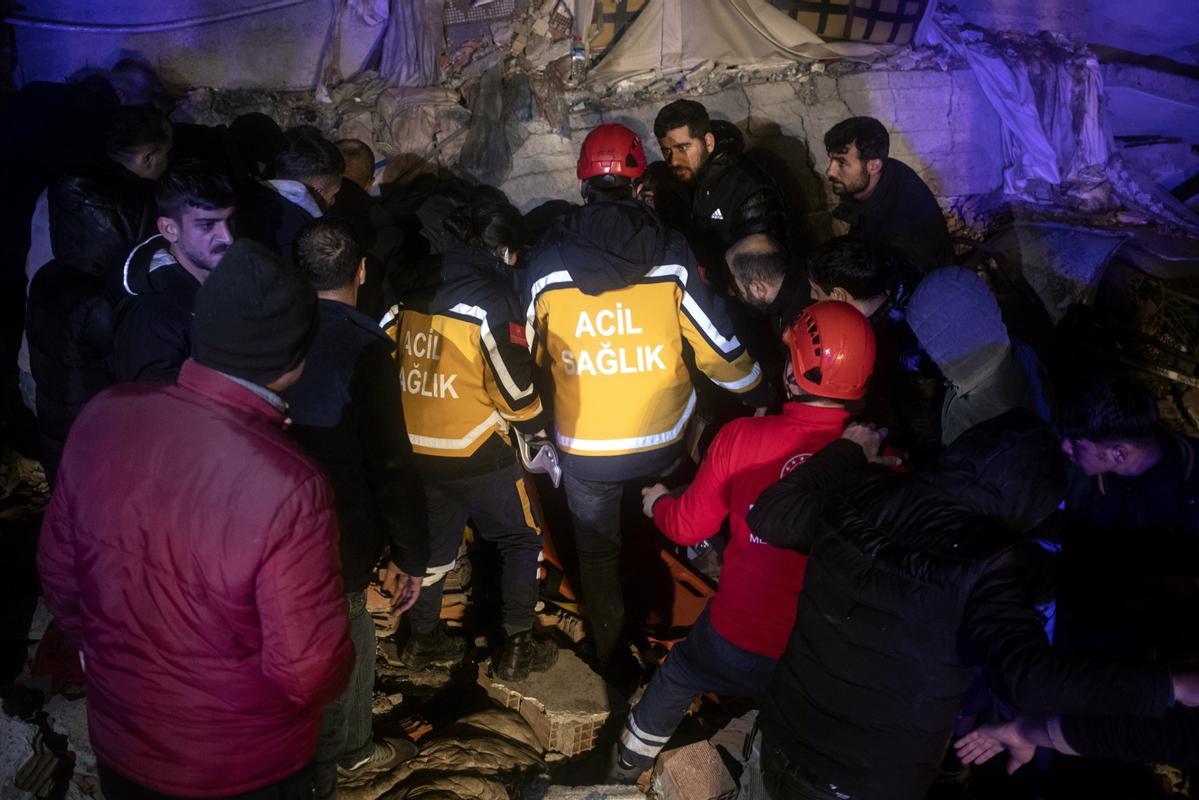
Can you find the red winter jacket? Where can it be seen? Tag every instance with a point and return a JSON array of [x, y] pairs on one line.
[[190, 550], [754, 607]]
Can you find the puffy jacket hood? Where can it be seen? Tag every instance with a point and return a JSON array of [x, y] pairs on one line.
[[958, 322], [1009, 467], [91, 224], [609, 245]]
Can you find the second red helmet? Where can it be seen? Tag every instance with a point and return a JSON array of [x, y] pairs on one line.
[[611, 149], [832, 350]]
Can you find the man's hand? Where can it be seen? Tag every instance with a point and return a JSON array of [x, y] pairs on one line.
[[649, 496], [403, 589], [988, 740], [870, 438]]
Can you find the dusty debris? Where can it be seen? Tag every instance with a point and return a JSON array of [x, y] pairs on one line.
[[694, 772], [447, 764], [734, 737], [565, 706], [541, 790], [505, 723]]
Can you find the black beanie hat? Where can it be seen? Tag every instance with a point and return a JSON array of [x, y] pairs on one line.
[[254, 316]]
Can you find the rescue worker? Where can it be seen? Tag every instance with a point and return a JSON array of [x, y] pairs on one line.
[[733, 647], [612, 299], [467, 377]]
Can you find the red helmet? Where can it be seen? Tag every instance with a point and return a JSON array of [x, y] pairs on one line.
[[611, 149], [832, 350]]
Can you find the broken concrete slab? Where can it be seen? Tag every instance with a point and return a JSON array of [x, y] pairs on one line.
[[566, 705], [694, 772], [734, 737], [597, 792]]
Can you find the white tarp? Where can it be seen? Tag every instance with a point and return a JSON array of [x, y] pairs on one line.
[[676, 35]]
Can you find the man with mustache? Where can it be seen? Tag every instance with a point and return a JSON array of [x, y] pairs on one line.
[[883, 199], [163, 273]]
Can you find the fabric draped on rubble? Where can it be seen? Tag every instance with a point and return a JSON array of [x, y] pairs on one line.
[[413, 42], [679, 35], [1048, 93]]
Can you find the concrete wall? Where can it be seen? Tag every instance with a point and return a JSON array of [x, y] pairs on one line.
[[940, 124], [278, 48]]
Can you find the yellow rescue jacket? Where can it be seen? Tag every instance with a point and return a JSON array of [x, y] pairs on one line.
[[465, 369], [611, 299]]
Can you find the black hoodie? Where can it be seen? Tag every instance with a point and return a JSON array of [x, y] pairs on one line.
[[914, 582], [153, 325]]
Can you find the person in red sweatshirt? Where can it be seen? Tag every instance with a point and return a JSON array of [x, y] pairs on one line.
[[733, 646]]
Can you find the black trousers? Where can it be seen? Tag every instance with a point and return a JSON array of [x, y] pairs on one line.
[[297, 786], [499, 508]]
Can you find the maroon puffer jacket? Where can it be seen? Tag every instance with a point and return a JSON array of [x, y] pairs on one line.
[[190, 549]]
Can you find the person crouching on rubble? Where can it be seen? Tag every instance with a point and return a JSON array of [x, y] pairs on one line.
[[733, 646], [467, 377], [190, 551]]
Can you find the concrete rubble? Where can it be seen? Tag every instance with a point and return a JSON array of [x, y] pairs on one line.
[[565, 706], [694, 772]]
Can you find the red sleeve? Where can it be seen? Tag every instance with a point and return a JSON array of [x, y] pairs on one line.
[[56, 565], [696, 514], [306, 650]]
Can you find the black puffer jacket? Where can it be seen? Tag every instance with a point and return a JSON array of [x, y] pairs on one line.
[[912, 583], [732, 200], [95, 218]]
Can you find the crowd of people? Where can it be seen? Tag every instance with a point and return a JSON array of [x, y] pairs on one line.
[[261, 380]]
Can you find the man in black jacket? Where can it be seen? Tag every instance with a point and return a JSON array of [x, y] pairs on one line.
[[162, 274], [1131, 521], [306, 184], [347, 414], [913, 582], [730, 197], [884, 201]]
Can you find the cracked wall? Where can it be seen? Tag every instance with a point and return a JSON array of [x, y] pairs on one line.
[[941, 125]]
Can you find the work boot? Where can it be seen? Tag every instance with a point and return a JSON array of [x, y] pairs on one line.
[[620, 771], [424, 650], [523, 653], [387, 755]]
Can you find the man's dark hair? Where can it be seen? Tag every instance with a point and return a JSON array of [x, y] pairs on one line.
[[326, 253], [256, 138], [488, 221], [134, 81], [680, 113], [1109, 408], [308, 154], [867, 133], [190, 182], [767, 264], [134, 128], [850, 264]]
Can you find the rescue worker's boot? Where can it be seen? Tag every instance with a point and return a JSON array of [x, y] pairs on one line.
[[424, 650], [524, 653]]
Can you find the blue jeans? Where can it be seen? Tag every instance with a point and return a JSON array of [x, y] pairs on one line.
[[346, 734], [703, 662]]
